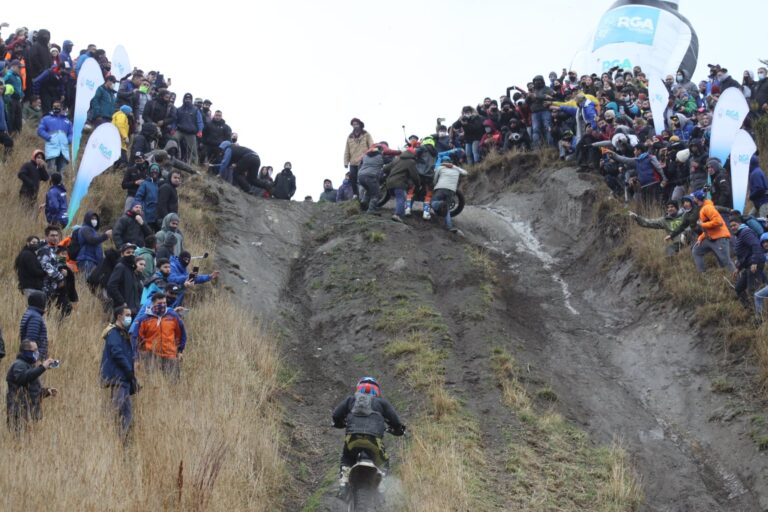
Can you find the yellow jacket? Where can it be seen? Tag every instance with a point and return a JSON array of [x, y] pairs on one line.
[[120, 120]]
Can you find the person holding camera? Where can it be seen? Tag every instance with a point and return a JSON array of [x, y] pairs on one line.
[[184, 278], [25, 391], [117, 369]]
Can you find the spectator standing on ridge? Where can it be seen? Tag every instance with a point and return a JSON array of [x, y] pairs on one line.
[[472, 127], [168, 195], [103, 102], [345, 191], [124, 286], [215, 132], [329, 193], [189, 128], [539, 101], [285, 183], [31, 174], [356, 146]]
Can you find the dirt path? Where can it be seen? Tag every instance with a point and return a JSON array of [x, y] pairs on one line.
[[621, 367]]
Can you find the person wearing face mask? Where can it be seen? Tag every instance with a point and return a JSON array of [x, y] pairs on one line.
[[725, 80], [56, 130], [345, 192], [25, 391], [124, 286], [91, 253], [139, 98], [285, 183], [103, 103], [760, 91], [329, 193], [188, 125], [182, 277], [161, 338], [117, 367], [443, 139], [28, 269]]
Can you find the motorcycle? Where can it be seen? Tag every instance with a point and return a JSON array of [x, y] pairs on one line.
[[364, 479], [455, 206]]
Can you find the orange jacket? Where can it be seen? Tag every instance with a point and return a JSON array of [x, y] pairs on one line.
[[712, 222], [163, 336]]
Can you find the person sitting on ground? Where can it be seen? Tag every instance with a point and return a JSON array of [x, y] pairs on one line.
[[90, 240], [285, 183], [25, 391], [117, 367], [715, 236], [131, 227], [328, 194], [28, 269], [31, 174], [750, 260], [365, 416], [261, 182], [147, 253], [669, 222], [446, 182], [161, 338], [182, 277], [56, 202], [169, 238], [124, 286]]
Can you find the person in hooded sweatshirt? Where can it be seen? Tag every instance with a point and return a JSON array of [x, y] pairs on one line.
[[329, 193], [758, 188], [91, 253], [683, 79], [56, 202], [285, 183], [124, 286], [39, 58], [32, 172], [170, 236], [147, 196], [181, 276], [345, 191], [56, 130]]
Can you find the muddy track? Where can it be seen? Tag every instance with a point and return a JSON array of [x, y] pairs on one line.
[[622, 366]]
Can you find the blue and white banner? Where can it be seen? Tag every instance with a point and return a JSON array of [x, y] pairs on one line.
[[656, 38], [741, 152], [658, 96], [88, 80], [729, 115], [102, 150], [121, 64]]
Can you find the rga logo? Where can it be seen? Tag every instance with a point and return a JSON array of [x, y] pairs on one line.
[[90, 84], [635, 23], [105, 151], [744, 159], [732, 114]]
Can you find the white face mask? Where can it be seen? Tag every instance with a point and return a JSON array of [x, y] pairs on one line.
[[94, 222], [761, 75]]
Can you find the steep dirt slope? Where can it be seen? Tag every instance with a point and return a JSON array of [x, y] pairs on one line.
[[620, 365]]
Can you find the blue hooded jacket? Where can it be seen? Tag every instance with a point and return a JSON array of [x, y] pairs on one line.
[[758, 184], [147, 195], [56, 205], [117, 357]]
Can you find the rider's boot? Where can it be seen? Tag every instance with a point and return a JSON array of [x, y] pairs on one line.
[[408, 206], [344, 481], [427, 215]]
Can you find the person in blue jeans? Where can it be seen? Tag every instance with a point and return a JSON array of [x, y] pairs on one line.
[[539, 101], [401, 174], [472, 125]]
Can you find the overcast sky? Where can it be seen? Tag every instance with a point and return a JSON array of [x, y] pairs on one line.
[[290, 75]]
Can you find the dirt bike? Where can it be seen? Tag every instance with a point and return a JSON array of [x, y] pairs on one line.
[[455, 206], [364, 479]]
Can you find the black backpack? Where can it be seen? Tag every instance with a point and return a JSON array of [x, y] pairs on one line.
[[73, 249]]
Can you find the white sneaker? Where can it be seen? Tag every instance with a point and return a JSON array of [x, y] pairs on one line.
[[408, 211], [427, 215]]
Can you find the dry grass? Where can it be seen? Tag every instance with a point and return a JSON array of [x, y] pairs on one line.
[[552, 465], [208, 443]]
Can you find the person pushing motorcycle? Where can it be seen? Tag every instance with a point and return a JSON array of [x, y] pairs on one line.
[[366, 415]]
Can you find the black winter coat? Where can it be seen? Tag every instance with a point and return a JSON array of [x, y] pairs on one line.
[[31, 175], [125, 286], [131, 175], [25, 393], [216, 132], [285, 185], [128, 230], [167, 201], [28, 270]]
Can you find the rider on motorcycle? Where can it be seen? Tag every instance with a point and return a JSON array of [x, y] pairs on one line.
[[425, 164], [366, 416]]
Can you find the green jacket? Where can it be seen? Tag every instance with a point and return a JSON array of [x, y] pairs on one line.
[[667, 223]]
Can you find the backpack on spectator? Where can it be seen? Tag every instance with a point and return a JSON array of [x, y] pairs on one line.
[[73, 249]]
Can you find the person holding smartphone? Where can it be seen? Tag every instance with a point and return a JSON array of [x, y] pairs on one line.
[[25, 391], [184, 278]]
